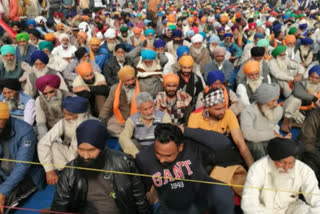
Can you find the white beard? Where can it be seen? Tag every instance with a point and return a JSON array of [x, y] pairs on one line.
[[120, 59], [304, 51], [267, 112], [129, 93], [111, 46], [9, 65], [40, 73], [12, 103], [282, 65], [137, 41], [55, 103], [290, 51], [254, 84], [150, 43], [70, 126], [23, 50], [312, 88], [197, 50]]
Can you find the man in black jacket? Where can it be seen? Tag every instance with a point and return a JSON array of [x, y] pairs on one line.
[[93, 192], [174, 156]]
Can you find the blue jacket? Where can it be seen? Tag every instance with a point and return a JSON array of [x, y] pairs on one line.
[[26, 58], [22, 146], [102, 57], [234, 49], [23, 100]]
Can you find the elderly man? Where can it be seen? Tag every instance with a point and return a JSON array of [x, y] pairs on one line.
[[9, 66], [34, 37], [21, 105], [49, 103], [91, 85], [219, 63], [138, 131], [159, 48], [94, 192], [290, 42], [285, 71], [305, 52], [24, 50], [216, 80], [246, 90], [110, 42], [114, 64], [176, 103], [121, 101], [137, 39], [199, 52], [232, 47], [216, 117], [287, 176], [149, 72], [148, 42], [65, 49], [258, 54], [18, 180], [305, 96], [39, 69], [59, 145], [56, 62], [189, 81], [259, 121], [98, 54]]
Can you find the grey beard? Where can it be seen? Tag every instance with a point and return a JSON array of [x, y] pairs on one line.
[[12, 103], [254, 84], [111, 46], [70, 126], [312, 88], [129, 93], [267, 112], [40, 73], [65, 46], [304, 51], [197, 50], [290, 52], [120, 58], [150, 42], [23, 50], [9, 65]]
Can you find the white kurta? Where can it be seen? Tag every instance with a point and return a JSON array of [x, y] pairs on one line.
[[303, 179]]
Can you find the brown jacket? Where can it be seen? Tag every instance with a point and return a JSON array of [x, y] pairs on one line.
[[107, 108]]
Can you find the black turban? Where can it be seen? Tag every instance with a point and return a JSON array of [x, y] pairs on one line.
[[12, 84], [80, 53], [257, 51], [280, 148]]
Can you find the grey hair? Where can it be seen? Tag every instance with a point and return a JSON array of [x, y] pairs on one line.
[[143, 97]]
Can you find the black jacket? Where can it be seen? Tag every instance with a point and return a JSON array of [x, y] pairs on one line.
[[71, 193]]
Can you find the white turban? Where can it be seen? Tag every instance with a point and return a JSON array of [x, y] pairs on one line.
[[83, 26], [63, 36], [197, 38], [110, 34], [39, 18]]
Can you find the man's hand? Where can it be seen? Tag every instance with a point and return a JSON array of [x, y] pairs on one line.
[[52, 177], [297, 78], [80, 88], [2, 203], [288, 136]]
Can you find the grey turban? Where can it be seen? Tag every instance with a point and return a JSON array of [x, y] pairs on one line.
[[267, 92]]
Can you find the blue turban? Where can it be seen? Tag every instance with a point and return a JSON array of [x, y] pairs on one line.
[[214, 38], [286, 16], [42, 56], [148, 54], [315, 69], [203, 34], [146, 22], [303, 26], [92, 132], [177, 33], [148, 31], [159, 43], [76, 105], [181, 50], [213, 76], [160, 14], [130, 24], [276, 28], [259, 36], [306, 41], [189, 33], [227, 35], [31, 22]]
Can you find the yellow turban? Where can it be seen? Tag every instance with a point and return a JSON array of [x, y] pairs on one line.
[[126, 72], [186, 61], [4, 111], [84, 68], [94, 41], [170, 78], [251, 66]]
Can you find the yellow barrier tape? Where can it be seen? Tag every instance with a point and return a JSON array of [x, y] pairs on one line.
[[162, 177]]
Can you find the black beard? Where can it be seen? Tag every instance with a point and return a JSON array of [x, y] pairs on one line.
[[171, 93], [89, 82], [97, 163], [177, 42], [130, 86], [186, 74]]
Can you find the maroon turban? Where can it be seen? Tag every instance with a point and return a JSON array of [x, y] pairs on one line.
[[51, 80]]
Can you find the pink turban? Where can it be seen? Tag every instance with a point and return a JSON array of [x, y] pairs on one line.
[[51, 80]]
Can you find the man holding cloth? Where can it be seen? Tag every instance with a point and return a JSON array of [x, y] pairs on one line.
[[287, 177]]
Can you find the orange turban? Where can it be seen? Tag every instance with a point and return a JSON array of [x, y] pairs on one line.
[[86, 18], [94, 41], [238, 14], [170, 78], [171, 18], [83, 35], [49, 37], [137, 30], [190, 20], [251, 66], [224, 19], [186, 61], [4, 111], [60, 26], [290, 39], [126, 72], [203, 19], [84, 68]]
